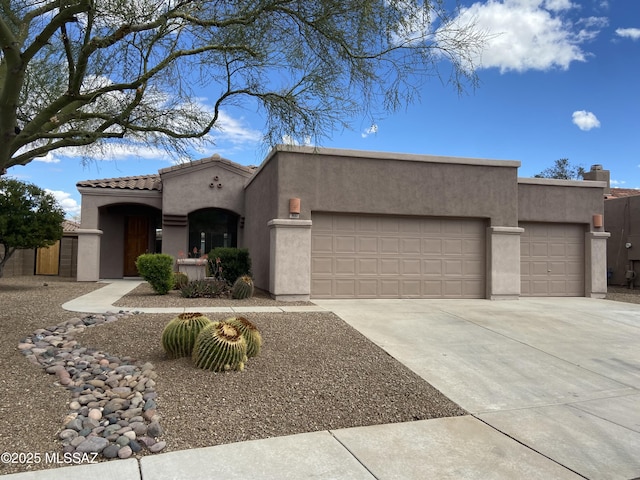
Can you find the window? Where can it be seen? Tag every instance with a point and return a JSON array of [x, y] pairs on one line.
[[211, 228]]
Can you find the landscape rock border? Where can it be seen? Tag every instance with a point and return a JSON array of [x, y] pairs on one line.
[[113, 409]]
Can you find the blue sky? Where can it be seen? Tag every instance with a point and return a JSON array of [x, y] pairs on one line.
[[561, 79]]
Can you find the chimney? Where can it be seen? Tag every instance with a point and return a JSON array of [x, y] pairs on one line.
[[597, 173]]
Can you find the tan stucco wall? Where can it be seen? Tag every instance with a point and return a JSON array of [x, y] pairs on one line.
[[261, 197], [205, 185], [369, 182], [565, 201]]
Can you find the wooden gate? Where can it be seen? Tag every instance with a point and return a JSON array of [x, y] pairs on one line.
[[48, 260]]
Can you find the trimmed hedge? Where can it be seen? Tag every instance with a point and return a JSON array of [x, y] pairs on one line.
[[157, 269]]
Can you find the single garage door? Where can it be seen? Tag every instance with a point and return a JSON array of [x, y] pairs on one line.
[[362, 256], [552, 260]]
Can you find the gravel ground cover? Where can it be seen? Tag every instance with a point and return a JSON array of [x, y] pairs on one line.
[[314, 372], [144, 296]]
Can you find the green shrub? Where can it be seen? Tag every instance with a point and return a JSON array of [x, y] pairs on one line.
[[157, 269], [205, 289], [180, 279], [233, 261]]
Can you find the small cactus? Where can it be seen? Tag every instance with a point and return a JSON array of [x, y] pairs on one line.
[[180, 279], [220, 347], [242, 287], [179, 335], [250, 332]]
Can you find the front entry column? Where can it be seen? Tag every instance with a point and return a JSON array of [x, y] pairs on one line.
[[88, 254], [595, 268], [290, 259], [503, 263]]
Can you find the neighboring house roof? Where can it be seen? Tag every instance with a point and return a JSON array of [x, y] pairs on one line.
[[141, 182], [622, 192], [70, 226]]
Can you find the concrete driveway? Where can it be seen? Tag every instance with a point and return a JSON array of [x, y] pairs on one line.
[[561, 376]]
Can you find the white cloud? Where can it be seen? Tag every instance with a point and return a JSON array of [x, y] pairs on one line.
[[585, 120], [48, 158], [235, 130], [530, 34], [617, 182], [373, 129], [632, 33], [68, 204], [291, 140]]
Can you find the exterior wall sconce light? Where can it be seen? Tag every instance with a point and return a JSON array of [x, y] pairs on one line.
[[294, 208], [597, 221]]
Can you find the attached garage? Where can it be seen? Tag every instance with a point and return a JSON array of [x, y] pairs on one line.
[[552, 260], [386, 256]]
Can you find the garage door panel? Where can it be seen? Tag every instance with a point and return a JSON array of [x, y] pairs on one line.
[[345, 224], [552, 259], [367, 288], [365, 224], [432, 267], [411, 267], [345, 266], [321, 265], [389, 266], [390, 245], [367, 245], [367, 266], [322, 287], [452, 247], [345, 287], [410, 246], [345, 244], [395, 257], [473, 267], [390, 288], [453, 267], [322, 244]]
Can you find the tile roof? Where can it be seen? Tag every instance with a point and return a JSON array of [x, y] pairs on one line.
[[141, 182], [70, 226], [622, 192]]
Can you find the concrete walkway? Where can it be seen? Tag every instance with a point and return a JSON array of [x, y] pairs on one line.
[[552, 385]]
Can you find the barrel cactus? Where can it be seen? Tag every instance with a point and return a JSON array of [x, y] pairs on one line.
[[250, 332], [220, 347], [242, 287], [179, 336]]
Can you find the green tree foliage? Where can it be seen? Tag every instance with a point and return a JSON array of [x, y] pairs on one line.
[[563, 170], [81, 73], [29, 218]]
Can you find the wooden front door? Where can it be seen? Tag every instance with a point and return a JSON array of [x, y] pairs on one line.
[[136, 242], [48, 260]]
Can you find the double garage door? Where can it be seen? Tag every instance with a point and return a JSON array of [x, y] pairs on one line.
[[368, 256], [377, 256]]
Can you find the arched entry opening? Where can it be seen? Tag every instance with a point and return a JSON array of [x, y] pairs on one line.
[[129, 231], [210, 228]]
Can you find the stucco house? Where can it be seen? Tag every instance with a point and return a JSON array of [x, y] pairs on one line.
[[329, 223], [622, 220]]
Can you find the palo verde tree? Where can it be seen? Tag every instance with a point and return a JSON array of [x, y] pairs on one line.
[[29, 218], [83, 73], [564, 170]]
